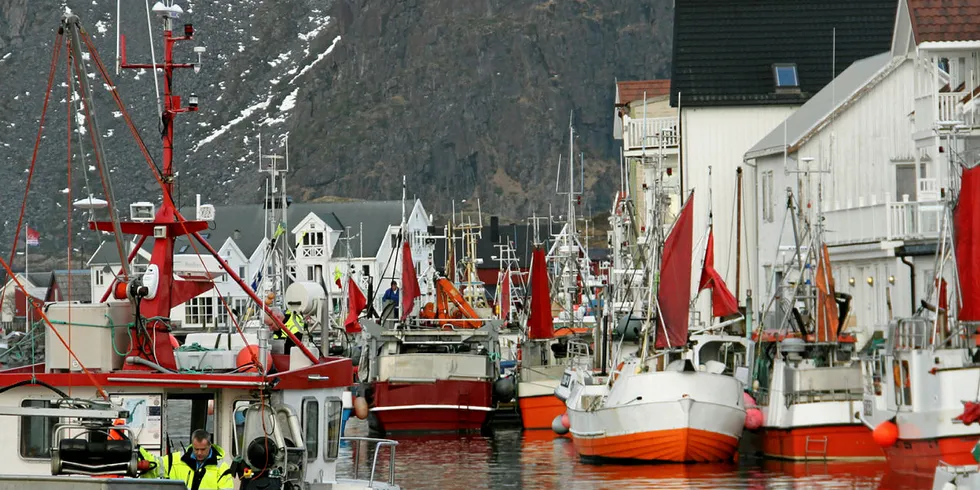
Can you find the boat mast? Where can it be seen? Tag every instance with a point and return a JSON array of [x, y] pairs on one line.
[[276, 268]]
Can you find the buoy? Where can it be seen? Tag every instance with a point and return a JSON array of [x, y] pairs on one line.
[[558, 426], [748, 401], [360, 407], [246, 355], [565, 422], [174, 342], [753, 418], [949, 486], [885, 434]]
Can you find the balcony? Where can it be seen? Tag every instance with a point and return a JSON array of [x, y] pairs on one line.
[[943, 106], [650, 133], [890, 220]]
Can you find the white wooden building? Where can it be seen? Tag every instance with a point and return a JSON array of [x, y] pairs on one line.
[[875, 132], [739, 70]]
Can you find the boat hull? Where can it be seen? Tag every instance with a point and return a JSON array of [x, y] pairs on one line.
[[690, 417], [843, 442], [681, 445], [439, 406], [920, 457], [539, 411]]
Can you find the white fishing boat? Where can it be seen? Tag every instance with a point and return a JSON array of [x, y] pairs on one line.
[[920, 393], [678, 400]]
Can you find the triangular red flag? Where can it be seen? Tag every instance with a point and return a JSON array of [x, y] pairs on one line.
[[674, 295], [356, 302], [410, 282], [505, 296], [723, 302]]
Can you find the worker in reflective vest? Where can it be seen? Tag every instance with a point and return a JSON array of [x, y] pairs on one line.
[[295, 324]]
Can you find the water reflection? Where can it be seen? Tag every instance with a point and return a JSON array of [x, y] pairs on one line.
[[511, 459]]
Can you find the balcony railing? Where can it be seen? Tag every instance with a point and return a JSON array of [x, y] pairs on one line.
[[650, 132], [889, 220], [942, 106]]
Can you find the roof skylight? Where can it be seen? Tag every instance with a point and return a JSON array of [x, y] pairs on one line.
[[785, 76]]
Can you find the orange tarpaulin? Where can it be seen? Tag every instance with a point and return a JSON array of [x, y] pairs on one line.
[[827, 315]]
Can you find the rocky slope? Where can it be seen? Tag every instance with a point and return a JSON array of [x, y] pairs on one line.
[[467, 99]]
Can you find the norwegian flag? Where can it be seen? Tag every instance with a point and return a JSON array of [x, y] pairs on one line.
[[33, 237]]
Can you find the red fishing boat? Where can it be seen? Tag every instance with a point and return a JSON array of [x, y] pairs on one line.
[[430, 372], [109, 395]]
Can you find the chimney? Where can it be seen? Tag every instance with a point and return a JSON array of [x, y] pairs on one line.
[[494, 229]]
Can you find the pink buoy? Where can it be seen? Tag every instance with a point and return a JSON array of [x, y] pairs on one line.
[[748, 400], [565, 422], [753, 418]]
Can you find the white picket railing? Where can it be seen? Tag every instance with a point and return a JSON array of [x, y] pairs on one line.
[[890, 220], [650, 132]]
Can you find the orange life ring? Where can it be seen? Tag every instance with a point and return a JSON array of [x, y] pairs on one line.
[[897, 374]]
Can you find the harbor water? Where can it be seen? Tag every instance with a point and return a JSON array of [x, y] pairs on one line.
[[515, 459], [509, 458]]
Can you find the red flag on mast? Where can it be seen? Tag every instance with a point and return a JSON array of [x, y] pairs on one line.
[[723, 302], [674, 294], [356, 302], [505, 296], [540, 324], [410, 283], [966, 236]]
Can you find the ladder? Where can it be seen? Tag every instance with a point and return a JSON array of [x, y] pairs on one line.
[[815, 448]]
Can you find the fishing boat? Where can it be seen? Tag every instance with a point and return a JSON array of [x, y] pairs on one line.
[[920, 394], [275, 410], [430, 372], [550, 345], [677, 400], [807, 378]]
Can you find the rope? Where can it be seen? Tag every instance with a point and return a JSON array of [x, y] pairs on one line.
[[44, 317], [37, 144]]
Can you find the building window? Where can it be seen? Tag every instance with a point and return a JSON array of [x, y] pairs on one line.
[[36, 432], [785, 76], [311, 427], [365, 270], [241, 272], [334, 407], [240, 307], [99, 278], [313, 238], [205, 311], [767, 184], [394, 240]]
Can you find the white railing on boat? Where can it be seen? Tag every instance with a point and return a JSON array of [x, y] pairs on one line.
[[888, 220], [378, 444], [650, 133]]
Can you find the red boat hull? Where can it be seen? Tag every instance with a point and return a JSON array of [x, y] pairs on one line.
[[848, 442], [920, 457], [538, 412], [445, 405]]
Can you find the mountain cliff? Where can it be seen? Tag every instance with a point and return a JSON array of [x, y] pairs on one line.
[[466, 99]]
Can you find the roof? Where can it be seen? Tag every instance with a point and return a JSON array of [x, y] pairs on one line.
[[807, 118], [81, 284], [634, 90], [248, 220], [40, 279], [108, 254], [724, 50], [945, 20], [245, 224]]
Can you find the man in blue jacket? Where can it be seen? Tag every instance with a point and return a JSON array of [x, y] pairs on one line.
[[392, 295]]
